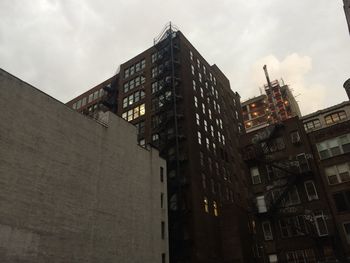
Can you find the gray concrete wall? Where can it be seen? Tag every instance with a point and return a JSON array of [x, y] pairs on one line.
[[71, 189]]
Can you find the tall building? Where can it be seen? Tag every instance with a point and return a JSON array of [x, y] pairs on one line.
[[347, 12], [292, 221], [329, 133], [74, 189], [185, 107]]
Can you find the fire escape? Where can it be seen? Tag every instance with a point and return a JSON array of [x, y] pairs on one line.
[[167, 125]]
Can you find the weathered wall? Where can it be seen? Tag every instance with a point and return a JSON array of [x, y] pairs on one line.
[[71, 189]]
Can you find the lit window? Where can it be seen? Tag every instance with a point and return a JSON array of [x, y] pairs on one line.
[[142, 109], [136, 112], [254, 172], [202, 92], [215, 208], [192, 69], [200, 77], [125, 116], [209, 112], [206, 205], [273, 258], [195, 102], [130, 115], [205, 125], [194, 85], [191, 55], [310, 190], [203, 108], [198, 63]]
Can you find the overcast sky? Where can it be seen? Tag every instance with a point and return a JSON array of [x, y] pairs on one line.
[[66, 47]]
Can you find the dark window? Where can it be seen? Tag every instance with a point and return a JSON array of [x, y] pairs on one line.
[[342, 201], [163, 230], [161, 174]]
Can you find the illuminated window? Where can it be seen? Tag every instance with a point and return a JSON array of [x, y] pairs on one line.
[[215, 208], [197, 119], [192, 69], [191, 55], [142, 109], [206, 205], [195, 102], [194, 85]]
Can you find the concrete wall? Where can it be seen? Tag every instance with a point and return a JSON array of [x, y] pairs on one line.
[[71, 189]]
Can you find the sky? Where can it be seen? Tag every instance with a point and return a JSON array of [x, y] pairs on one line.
[[65, 47]]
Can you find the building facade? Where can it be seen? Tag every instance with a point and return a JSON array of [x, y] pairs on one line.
[[185, 107], [74, 189], [255, 113], [329, 133], [292, 221]]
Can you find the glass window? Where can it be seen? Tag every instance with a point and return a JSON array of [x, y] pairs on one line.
[[197, 119], [125, 102], [142, 109], [215, 208], [143, 64], [346, 226], [78, 104], [310, 190], [338, 173], [126, 73], [266, 227], [206, 205], [132, 70], [199, 138], [74, 106], [254, 172], [321, 225], [91, 97], [204, 182], [194, 85], [341, 200], [191, 55], [195, 102], [192, 69]]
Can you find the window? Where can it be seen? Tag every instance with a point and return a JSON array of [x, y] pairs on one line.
[[292, 226], [162, 174], [292, 197], [335, 117], [194, 85], [311, 125], [295, 137], [201, 158], [205, 125], [347, 231], [200, 77], [154, 57], [140, 127], [215, 208], [203, 108], [191, 55], [74, 106], [198, 63], [339, 173], [199, 138], [334, 146], [321, 225], [301, 256], [163, 258], [261, 204], [202, 95], [192, 69], [266, 227], [209, 112], [195, 102], [212, 185], [78, 104], [204, 181], [163, 230], [273, 258], [310, 190], [342, 201], [254, 172], [197, 119], [303, 163], [206, 205], [83, 102], [207, 143]]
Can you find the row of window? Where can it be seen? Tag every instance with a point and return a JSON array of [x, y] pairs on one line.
[[295, 226], [334, 146], [133, 98], [159, 101], [133, 83], [212, 78], [220, 137], [83, 101], [128, 72], [214, 206], [134, 113], [329, 119]]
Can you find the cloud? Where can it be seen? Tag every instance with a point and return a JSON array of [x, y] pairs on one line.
[[294, 70]]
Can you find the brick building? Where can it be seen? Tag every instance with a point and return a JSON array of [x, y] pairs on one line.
[[329, 133], [184, 106], [292, 221]]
